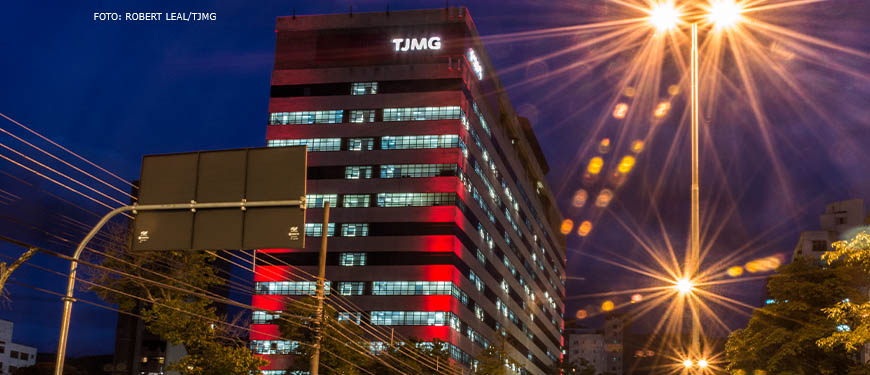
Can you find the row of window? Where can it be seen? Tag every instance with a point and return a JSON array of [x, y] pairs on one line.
[[382, 200], [415, 318], [356, 172], [347, 229], [288, 288], [274, 346], [408, 142], [336, 116], [356, 288]]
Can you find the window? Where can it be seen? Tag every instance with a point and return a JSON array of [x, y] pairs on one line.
[[357, 172], [354, 230], [416, 199], [364, 88], [417, 170], [419, 142], [288, 288], [314, 144], [820, 245], [352, 259], [274, 346], [481, 257], [362, 115], [356, 200], [411, 318], [265, 317], [350, 316], [316, 229], [478, 283], [273, 372], [841, 220], [360, 144], [417, 288], [318, 200], [422, 113], [351, 288], [307, 117], [13, 354]]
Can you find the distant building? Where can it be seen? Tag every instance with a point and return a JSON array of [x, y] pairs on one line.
[[588, 344], [12, 355], [839, 222], [615, 329]]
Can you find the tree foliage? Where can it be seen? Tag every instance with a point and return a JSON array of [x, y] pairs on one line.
[[852, 315], [157, 286], [495, 360], [781, 337]]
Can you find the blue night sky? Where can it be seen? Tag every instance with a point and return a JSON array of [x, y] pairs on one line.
[[114, 91]]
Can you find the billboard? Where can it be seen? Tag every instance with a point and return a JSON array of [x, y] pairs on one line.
[[242, 175]]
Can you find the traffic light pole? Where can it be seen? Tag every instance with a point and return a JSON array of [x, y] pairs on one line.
[[321, 282], [71, 281]]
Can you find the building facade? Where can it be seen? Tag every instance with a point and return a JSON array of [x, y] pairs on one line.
[[443, 224], [839, 222], [585, 344], [12, 355]]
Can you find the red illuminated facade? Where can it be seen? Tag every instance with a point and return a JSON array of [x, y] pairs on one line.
[[444, 226]]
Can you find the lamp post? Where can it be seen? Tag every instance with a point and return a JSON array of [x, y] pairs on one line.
[[722, 14]]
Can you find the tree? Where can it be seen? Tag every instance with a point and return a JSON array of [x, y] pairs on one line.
[[781, 336], [168, 289], [343, 348], [6, 270], [494, 360], [851, 316]]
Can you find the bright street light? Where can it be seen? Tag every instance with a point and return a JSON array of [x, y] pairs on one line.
[[724, 13], [702, 363], [687, 363], [664, 16], [684, 286]]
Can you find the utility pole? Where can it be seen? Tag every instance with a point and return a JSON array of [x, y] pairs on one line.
[[321, 282]]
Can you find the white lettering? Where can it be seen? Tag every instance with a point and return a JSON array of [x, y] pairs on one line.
[[397, 42], [476, 66], [417, 44]]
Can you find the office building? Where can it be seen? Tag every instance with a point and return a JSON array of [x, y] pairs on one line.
[[839, 222], [443, 224], [13, 356]]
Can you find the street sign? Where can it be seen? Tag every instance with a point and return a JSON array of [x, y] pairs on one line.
[[244, 176]]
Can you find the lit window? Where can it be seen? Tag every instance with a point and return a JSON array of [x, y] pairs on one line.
[[274, 346], [478, 283], [316, 229], [288, 288], [314, 144], [419, 142], [354, 317], [360, 144], [318, 200], [418, 288], [354, 230], [362, 115], [357, 172], [481, 257], [364, 88], [415, 199], [356, 200], [417, 170], [351, 288], [265, 317], [306, 117], [422, 113], [353, 259], [413, 318]]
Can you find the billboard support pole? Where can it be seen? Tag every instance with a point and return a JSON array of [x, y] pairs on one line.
[[321, 285], [71, 281]]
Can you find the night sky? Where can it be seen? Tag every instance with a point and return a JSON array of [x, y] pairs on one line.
[[113, 91]]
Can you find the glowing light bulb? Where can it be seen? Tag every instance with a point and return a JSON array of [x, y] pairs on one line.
[[702, 363], [664, 16], [687, 363], [684, 286], [725, 13]]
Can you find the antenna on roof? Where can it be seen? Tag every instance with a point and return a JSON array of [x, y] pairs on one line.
[[351, 10], [388, 8], [446, 4], [294, 13]]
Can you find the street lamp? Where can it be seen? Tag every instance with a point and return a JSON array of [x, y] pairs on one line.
[[702, 363], [687, 363], [664, 16]]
